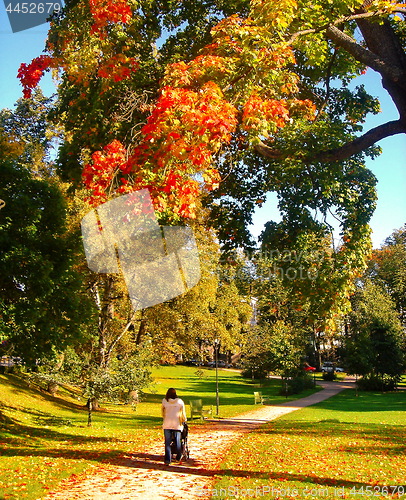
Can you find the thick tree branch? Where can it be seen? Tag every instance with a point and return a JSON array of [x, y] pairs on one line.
[[394, 73], [121, 335], [363, 142], [356, 146], [381, 39], [268, 152], [340, 21]]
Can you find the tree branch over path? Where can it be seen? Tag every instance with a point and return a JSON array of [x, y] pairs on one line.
[[363, 142], [383, 54], [356, 146], [395, 73]]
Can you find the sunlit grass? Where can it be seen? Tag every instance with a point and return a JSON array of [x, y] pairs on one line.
[[236, 394], [346, 447], [45, 439]]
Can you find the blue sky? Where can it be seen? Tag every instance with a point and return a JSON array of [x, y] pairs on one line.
[[389, 168]]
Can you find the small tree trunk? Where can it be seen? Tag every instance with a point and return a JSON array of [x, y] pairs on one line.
[[141, 329], [52, 388], [91, 404], [89, 412]]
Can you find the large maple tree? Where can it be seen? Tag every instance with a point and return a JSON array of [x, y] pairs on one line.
[[270, 90], [241, 99]]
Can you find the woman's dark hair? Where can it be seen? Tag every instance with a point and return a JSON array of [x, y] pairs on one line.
[[171, 394]]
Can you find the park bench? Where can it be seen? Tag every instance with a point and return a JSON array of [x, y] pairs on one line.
[[259, 398], [197, 408]]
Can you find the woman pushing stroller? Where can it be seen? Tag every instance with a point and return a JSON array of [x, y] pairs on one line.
[[174, 415]]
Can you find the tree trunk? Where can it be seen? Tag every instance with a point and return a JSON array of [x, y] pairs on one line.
[[52, 388], [105, 315], [141, 328], [91, 405]]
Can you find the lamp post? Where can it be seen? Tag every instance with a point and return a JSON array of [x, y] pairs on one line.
[[216, 346]]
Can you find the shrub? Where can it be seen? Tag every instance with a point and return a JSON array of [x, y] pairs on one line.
[[297, 384], [329, 376], [123, 376], [381, 383], [256, 373]]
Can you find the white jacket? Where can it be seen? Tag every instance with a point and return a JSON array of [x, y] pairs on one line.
[[174, 414]]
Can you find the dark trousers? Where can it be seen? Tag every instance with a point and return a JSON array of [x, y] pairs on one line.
[[172, 435]]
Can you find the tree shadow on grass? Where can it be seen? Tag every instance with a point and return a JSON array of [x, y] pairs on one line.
[[38, 416], [22, 387], [237, 393], [14, 435], [110, 456], [376, 435], [76, 418], [196, 468], [49, 443]]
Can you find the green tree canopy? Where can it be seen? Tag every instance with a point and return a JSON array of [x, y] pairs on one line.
[[375, 344], [258, 100], [43, 303], [387, 268]]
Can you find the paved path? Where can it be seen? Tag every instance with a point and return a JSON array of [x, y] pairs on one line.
[[143, 476]]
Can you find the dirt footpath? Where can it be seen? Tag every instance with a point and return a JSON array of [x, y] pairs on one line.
[[144, 476]]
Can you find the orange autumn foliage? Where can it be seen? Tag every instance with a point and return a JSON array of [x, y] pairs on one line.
[[202, 103]]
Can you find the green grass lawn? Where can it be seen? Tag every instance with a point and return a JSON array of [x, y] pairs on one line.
[[340, 376], [235, 392], [45, 439], [345, 447]]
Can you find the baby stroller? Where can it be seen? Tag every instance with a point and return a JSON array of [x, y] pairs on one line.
[[183, 443]]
